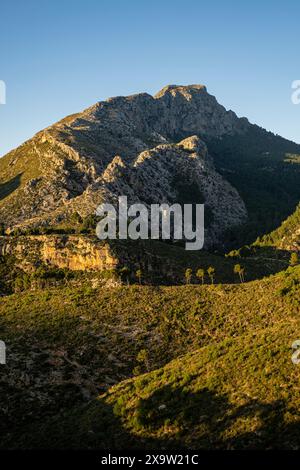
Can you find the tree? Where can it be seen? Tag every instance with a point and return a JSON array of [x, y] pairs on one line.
[[294, 259], [233, 254], [143, 359], [124, 273], [211, 273], [200, 274], [19, 285], [139, 275], [188, 275], [238, 269], [143, 363], [89, 224], [76, 218]]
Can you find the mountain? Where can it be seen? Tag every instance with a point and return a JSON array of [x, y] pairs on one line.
[[113, 344], [180, 145]]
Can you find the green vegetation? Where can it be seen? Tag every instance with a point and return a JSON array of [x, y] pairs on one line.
[[294, 259], [139, 275], [188, 275], [200, 274], [124, 273], [284, 235], [217, 360], [159, 263], [258, 165], [238, 269], [211, 274]]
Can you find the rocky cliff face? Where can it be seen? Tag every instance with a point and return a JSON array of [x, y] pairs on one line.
[[125, 145], [66, 252], [173, 173], [158, 261]]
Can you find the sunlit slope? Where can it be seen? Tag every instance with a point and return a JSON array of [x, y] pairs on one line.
[[231, 373]]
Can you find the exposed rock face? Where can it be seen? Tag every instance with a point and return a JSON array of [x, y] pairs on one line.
[[291, 243], [191, 110], [71, 252], [184, 173], [123, 146], [87, 253]]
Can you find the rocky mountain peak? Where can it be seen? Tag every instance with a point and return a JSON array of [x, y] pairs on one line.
[[140, 145], [185, 90]]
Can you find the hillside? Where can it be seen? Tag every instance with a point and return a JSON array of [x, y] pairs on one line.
[[230, 382], [32, 261], [265, 170], [287, 236]]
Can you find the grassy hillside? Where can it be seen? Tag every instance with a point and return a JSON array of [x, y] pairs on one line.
[[241, 393], [16, 169], [231, 382], [287, 235]]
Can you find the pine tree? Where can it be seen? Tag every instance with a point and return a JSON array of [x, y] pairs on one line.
[[200, 274], [124, 273], [188, 275], [139, 275], [294, 259], [238, 269], [211, 273]]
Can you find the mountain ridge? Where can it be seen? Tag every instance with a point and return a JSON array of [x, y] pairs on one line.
[[62, 169]]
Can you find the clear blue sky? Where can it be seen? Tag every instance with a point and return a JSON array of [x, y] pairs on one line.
[[60, 56]]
